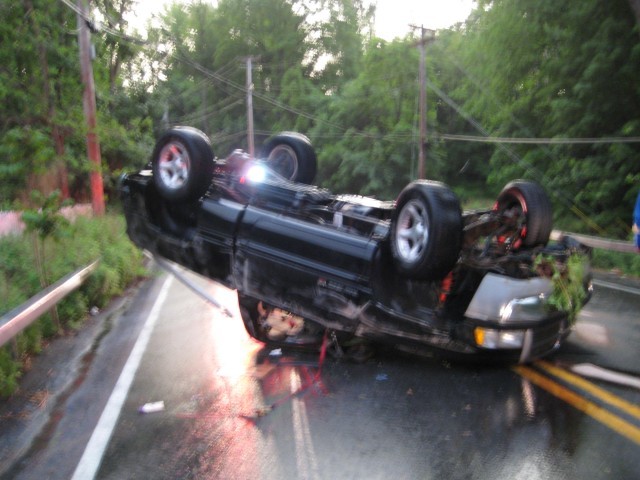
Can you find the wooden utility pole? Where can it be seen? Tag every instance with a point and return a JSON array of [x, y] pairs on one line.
[[422, 44], [89, 103], [250, 108]]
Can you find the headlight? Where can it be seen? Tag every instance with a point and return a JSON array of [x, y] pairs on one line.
[[526, 309], [494, 339]]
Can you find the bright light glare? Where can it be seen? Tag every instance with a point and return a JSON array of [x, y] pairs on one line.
[[257, 174]]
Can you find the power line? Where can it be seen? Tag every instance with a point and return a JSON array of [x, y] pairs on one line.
[[444, 136], [75, 9], [201, 115], [537, 141], [515, 158], [100, 27]]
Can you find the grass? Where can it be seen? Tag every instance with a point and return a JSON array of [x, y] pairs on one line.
[[624, 263], [77, 245]]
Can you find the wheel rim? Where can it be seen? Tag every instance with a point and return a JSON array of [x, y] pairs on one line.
[[412, 231], [514, 207], [284, 161], [174, 165], [514, 199]]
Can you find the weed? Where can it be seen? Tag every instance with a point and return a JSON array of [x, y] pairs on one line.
[[71, 246]]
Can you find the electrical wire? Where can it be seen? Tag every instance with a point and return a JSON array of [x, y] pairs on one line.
[[577, 208], [534, 172], [484, 138], [444, 136], [537, 141], [203, 115]]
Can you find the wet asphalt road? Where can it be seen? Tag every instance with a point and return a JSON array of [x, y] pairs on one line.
[[231, 411]]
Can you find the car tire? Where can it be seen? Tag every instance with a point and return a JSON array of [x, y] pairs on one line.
[[426, 230], [292, 156], [182, 164], [532, 204]]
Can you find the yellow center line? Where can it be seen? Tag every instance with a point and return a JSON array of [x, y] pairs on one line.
[[594, 390], [595, 411]]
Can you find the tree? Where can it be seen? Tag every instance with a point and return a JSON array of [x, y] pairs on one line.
[[337, 38], [36, 95], [367, 142], [204, 77], [542, 70], [41, 133]]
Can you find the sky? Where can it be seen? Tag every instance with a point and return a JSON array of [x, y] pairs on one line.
[[393, 17]]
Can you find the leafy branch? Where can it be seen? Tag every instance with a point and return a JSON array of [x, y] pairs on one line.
[[568, 294]]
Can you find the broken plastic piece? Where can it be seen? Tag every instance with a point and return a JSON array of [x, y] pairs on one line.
[[152, 407]]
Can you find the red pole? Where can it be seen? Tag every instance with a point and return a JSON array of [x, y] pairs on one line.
[[89, 103]]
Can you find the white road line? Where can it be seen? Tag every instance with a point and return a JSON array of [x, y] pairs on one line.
[[306, 458], [613, 286], [93, 453], [594, 371]]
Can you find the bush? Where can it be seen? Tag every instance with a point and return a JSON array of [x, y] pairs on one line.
[[9, 373], [79, 244], [626, 263]]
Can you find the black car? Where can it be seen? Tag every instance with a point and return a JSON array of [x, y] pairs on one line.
[[416, 273]]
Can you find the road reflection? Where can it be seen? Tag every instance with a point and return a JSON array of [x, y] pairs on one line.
[[248, 382], [265, 413]]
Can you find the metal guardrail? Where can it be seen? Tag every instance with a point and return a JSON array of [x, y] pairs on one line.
[[21, 317], [597, 242]]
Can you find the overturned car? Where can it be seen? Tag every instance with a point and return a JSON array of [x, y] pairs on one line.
[[416, 273]]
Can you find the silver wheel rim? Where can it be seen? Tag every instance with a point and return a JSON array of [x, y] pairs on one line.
[[284, 161], [412, 231], [174, 165]]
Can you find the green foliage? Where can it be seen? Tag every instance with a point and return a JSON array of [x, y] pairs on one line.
[[39, 90], [545, 69], [45, 221], [625, 263], [10, 373], [24, 150], [515, 69], [88, 239], [568, 294], [42, 133], [375, 155]]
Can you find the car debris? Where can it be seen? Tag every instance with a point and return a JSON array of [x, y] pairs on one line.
[[152, 407]]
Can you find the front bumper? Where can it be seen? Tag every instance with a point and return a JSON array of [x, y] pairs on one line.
[[508, 314], [523, 343]]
